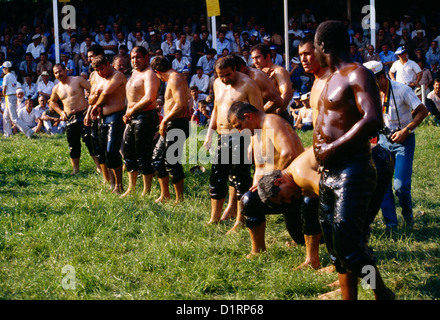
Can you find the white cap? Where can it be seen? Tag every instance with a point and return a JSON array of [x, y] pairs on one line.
[[374, 66], [7, 64], [296, 60]]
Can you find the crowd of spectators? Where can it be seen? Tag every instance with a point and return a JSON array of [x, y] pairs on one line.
[[30, 47]]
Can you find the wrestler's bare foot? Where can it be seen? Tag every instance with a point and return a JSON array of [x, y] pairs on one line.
[[117, 189], [145, 193], [309, 264], [163, 199], [332, 295], [328, 269], [253, 255], [334, 284], [229, 213], [291, 244], [212, 221], [74, 172], [236, 228], [128, 193]]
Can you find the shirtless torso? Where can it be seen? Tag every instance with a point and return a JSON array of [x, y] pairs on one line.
[[243, 88], [271, 96], [72, 94], [108, 92]]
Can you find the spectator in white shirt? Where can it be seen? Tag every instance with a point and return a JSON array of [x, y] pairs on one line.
[[29, 88], [45, 86], [140, 40], [20, 99], [27, 120], [73, 48], [200, 80], [36, 47], [83, 62], [168, 46], [42, 106], [183, 45], [404, 70], [180, 62]]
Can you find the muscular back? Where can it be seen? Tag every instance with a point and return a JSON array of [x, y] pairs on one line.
[[177, 96], [269, 92]]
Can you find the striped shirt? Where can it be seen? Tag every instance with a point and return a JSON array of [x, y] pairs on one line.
[[406, 100]]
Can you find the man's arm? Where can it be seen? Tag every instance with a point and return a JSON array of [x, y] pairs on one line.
[[286, 142], [53, 102], [418, 114], [212, 126], [284, 86], [254, 94], [117, 80]]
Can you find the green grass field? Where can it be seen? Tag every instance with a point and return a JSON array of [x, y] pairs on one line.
[[132, 248]]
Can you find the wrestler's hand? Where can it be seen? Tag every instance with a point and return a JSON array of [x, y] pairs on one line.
[[63, 116], [87, 120], [127, 118], [253, 188], [323, 150], [163, 128], [95, 112], [208, 141]]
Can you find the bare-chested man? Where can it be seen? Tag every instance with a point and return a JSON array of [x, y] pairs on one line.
[[271, 96], [275, 145], [174, 128], [72, 93], [229, 87], [261, 56], [108, 100], [142, 120], [310, 64], [349, 114]]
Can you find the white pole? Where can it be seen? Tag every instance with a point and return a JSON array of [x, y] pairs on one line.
[[286, 35], [423, 94], [373, 23], [56, 36], [214, 34]]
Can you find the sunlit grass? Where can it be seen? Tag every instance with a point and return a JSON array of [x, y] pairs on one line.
[[133, 248]]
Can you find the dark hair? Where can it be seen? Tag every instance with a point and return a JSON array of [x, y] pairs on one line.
[[96, 49], [161, 64], [334, 35], [239, 61], [62, 66], [99, 61], [225, 62], [305, 40], [141, 49], [266, 187], [239, 108], [263, 48]]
